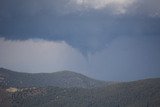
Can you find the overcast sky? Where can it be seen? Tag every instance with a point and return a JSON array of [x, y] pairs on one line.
[[103, 39]]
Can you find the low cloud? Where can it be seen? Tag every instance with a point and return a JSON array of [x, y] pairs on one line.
[[125, 58], [37, 55], [128, 58]]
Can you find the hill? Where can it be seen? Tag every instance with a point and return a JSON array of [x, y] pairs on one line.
[[63, 79], [143, 93], [69, 89]]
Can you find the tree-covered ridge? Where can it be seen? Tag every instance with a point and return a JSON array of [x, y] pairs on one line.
[[63, 79], [69, 89], [143, 93]]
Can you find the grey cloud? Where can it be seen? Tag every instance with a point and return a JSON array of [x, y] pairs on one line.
[[88, 30], [37, 55], [118, 46], [125, 58]]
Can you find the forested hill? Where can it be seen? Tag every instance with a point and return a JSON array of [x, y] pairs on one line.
[[63, 79], [143, 93], [69, 89]]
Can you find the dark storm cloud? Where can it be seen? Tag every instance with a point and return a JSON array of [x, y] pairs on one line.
[[87, 29]]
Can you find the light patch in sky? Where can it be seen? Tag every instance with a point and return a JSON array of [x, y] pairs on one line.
[[118, 6], [37, 55]]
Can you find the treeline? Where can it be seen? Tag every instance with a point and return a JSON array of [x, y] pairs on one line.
[[134, 94]]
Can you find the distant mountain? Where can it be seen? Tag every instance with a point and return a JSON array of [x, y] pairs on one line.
[[143, 93], [63, 79]]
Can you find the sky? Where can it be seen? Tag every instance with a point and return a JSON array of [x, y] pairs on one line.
[[115, 40]]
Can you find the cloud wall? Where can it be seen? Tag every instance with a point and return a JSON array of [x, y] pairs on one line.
[[126, 58], [37, 55]]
